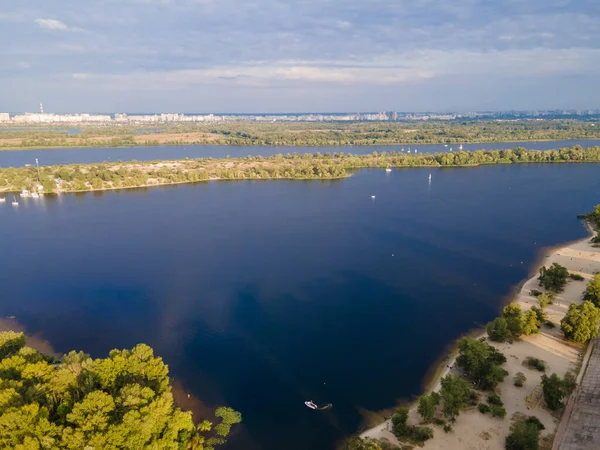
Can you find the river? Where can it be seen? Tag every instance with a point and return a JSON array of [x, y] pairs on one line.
[[263, 294], [48, 157]]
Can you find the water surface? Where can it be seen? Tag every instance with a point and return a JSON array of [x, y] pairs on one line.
[[264, 294], [15, 158]]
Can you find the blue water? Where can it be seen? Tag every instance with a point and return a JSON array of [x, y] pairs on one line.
[[88, 155], [264, 294]]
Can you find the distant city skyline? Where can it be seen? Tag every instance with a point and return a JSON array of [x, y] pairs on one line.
[[271, 56]]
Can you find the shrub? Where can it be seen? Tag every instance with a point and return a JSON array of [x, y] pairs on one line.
[[437, 421], [534, 363], [536, 293], [554, 392], [545, 300], [494, 399], [520, 379], [549, 324], [576, 277], [524, 435], [498, 330], [483, 408], [553, 278], [448, 429], [402, 430], [498, 411]]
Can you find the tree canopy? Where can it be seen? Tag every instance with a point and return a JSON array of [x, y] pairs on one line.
[[553, 278], [525, 435], [123, 401], [456, 394], [580, 324], [592, 292], [481, 362]]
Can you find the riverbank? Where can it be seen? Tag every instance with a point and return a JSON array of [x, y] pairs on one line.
[[474, 430], [117, 175]]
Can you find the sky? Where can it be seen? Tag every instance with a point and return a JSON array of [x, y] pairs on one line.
[[293, 56]]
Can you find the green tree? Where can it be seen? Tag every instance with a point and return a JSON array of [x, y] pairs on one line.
[[524, 435], [427, 405], [455, 393], [514, 318], [592, 292], [481, 362], [580, 324], [553, 278], [498, 330], [554, 391], [530, 323]]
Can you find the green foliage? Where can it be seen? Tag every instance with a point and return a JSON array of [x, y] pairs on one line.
[[358, 443], [427, 405], [549, 324], [456, 394], [592, 292], [534, 363], [483, 408], [439, 422], [530, 322], [569, 382], [545, 300], [553, 278], [524, 435], [554, 391], [403, 431], [497, 411], [481, 362], [120, 402], [580, 324], [448, 428], [514, 318], [536, 292], [520, 379], [498, 330], [576, 277], [494, 399]]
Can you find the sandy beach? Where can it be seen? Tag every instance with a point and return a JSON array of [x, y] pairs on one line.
[[476, 431]]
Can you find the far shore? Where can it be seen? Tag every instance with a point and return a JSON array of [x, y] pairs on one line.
[[474, 430]]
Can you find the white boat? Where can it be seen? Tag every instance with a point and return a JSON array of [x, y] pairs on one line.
[[15, 202], [2, 199], [310, 404], [402, 148], [24, 193], [35, 195], [429, 177], [460, 148], [388, 170], [373, 197], [445, 145]]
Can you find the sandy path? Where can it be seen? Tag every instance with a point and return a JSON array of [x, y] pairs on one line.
[[474, 430]]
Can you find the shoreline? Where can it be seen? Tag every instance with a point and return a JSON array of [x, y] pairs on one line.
[[443, 365]]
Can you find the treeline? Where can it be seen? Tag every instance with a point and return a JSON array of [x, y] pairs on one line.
[[303, 134], [120, 402], [79, 177]]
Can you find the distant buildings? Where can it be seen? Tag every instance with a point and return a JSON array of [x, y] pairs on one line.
[[121, 118]]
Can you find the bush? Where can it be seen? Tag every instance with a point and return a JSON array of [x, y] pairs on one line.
[[554, 391], [498, 411], [553, 278], [437, 421], [545, 300], [576, 277], [536, 293], [524, 435], [483, 408], [402, 430], [549, 324], [494, 399], [498, 330], [534, 363], [448, 429], [520, 379]]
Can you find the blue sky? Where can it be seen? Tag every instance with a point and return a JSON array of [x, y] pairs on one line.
[[304, 55]]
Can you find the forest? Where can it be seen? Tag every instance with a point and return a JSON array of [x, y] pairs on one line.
[[297, 134], [123, 401], [116, 175]]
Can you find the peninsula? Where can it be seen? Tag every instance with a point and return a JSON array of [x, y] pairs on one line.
[[118, 175]]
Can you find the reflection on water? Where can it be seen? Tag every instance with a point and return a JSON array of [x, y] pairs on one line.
[[264, 294]]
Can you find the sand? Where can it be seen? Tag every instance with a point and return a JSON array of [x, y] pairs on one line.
[[474, 430]]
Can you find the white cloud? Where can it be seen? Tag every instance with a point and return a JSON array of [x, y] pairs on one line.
[[52, 24]]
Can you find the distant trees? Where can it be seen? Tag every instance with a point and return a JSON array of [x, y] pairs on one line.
[[580, 324], [553, 278], [120, 402], [481, 362]]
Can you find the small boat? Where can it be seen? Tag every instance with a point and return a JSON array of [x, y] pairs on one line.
[[460, 148], [429, 177], [2, 199], [388, 169], [310, 404], [402, 148], [35, 195], [416, 150], [24, 193], [445, 145], [15, 202], [373, 197]]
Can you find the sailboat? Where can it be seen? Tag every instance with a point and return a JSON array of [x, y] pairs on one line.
[[15, 202]]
